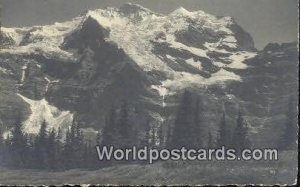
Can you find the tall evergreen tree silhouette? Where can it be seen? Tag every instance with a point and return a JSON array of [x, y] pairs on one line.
[[110, 130], [59, 149], [98, 138], [74, 145], [198, 126], [145, 141], [52, 151], [187, 129], [124, 127], [18, 144], [89, 161], [78, 145], [288, 139], [152, 137], [41, 147], [224, 136], [67, 151], [240, 137], [6, 156]]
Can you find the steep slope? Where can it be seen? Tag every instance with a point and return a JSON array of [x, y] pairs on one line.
[[144, 35], [269, 82]]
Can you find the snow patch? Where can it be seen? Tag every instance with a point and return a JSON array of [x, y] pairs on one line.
[[196, 51], [238, 59], [13, 33], [183, 80], [223, 75], [41, 110], [171, 58], [193, 63]]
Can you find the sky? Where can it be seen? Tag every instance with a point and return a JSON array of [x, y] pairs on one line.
[[266, 20]]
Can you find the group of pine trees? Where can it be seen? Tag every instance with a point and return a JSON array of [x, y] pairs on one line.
[[189, 129], [47, 150], [57, 150], [119, 131], [192, 133]]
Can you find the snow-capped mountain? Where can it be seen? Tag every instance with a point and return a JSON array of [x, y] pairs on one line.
[[140, 33], [104, 56]]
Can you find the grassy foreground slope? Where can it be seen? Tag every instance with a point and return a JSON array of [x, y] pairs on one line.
[[283, 171]]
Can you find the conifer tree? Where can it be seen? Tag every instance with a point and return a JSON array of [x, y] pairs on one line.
[[240, 138], [67, 151], [74, 147], [18, 144], [160, 136], [224, 136], [118, 130], [149, 139], [146, 138], [98, 138], [188, 124], [152, 137], [90, 156], [41, 147], [110, 130], [59, 149], [52, 153], [7, 154], [78, 145], [87, 156], [288, 139], [124, 127], [183, 122], [197, 126]]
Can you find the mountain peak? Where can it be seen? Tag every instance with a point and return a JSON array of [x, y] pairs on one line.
[[132, 8], [181, 11], [90, 32]]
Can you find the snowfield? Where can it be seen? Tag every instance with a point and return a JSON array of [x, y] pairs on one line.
[[41, 110], [133, 32], [44, 40]]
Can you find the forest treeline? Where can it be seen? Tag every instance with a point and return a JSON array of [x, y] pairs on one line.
[[57, 150]]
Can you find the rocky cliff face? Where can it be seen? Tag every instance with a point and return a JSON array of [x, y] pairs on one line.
[[97, 60]]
